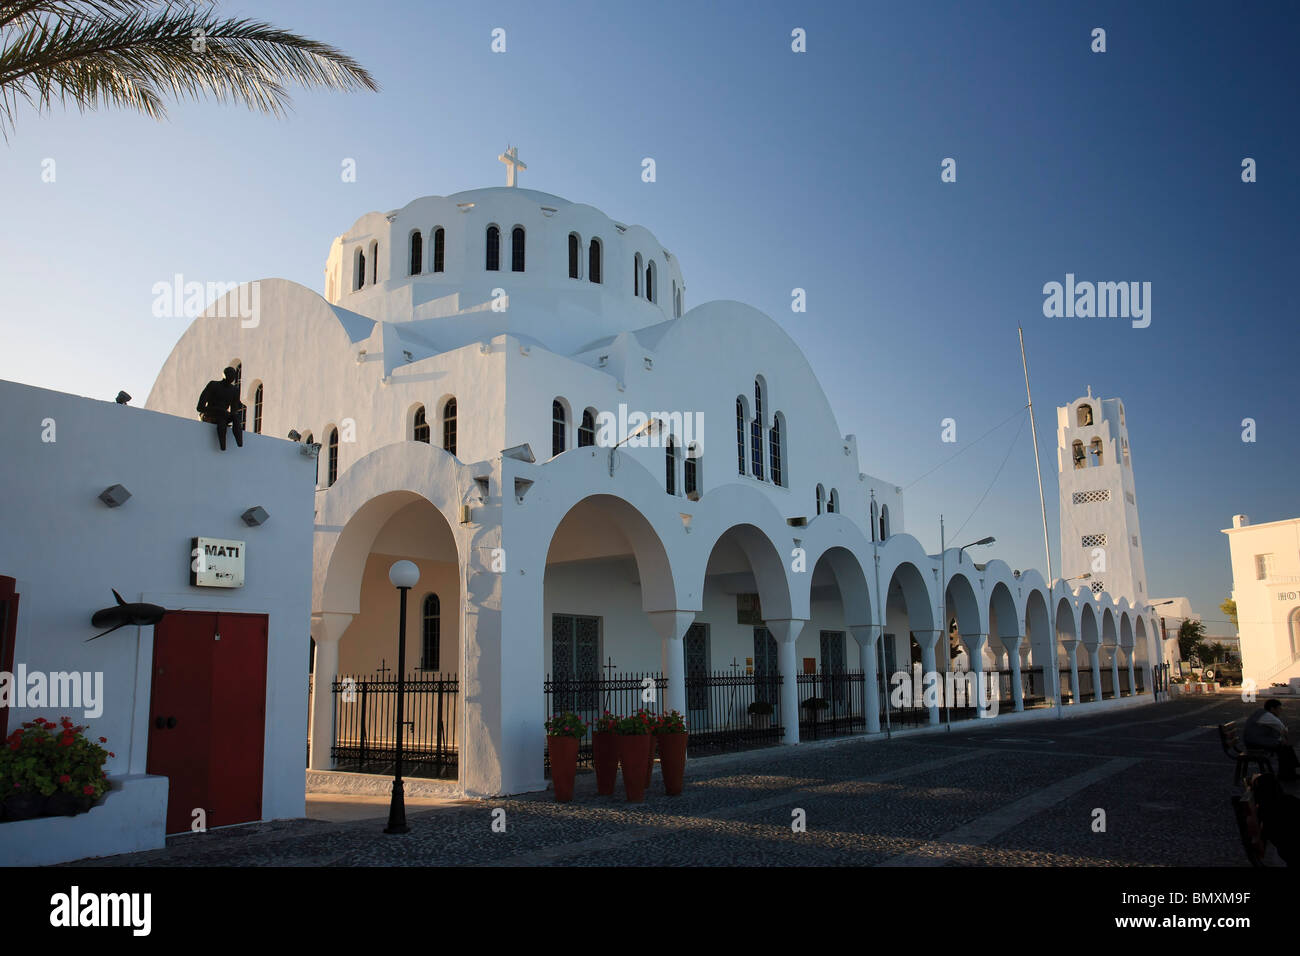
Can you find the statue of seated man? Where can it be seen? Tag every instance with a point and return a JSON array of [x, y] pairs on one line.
[[220, 405]]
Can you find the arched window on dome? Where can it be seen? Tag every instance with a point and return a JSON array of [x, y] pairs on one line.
[[420, 425], [821, 499], [650, 271], [359, 270], [559, 427], [575, 255], [587, 430], [884, 522], [517, 249], [833, 502], [257, 409], [439, 248], [333, 473], [691, 469], [417, 252], [374, 263], [430, 636], [756, 432], [670, 465], [492, 255], [636, 275], [740, 433], [593, 261], [875, 518], [449, 426], [775, 450]]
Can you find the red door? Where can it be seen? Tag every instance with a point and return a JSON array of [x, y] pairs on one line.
[[207, 716]]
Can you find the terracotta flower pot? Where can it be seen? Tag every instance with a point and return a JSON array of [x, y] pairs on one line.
[[23, 806], [633, 751], [604, 756], [672, 761], [564, 765]]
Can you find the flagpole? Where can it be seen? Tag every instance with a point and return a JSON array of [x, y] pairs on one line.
[[1047, 545]]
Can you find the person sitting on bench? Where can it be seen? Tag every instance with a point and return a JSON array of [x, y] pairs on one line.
[[220, 405], [1265, 731]]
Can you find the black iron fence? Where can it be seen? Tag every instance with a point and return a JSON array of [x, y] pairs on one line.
[[1123, 682], [589, 697], [831, 705], [729, 711], [365, 724]]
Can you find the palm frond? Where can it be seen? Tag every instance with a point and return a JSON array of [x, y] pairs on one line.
[[130, 53]]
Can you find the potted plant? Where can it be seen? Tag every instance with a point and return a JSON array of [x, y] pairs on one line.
[[563, 732], [672, 736], [815, 705], [604, 752], [635, 740], [52, 769], [760, 714]]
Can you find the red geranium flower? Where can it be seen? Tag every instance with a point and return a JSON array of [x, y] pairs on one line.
[[88, 790], [103, 740], [64, 778], [111, 754]]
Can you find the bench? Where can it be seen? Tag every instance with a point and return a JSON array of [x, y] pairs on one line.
[[1244, 757]]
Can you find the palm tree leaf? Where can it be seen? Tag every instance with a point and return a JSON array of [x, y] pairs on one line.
[[125, 53]]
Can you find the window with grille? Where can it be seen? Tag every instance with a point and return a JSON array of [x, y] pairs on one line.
[[593, 261], [439, 246], [740, 435], [421, 430], [334, 456], [430, 635], [257, 409], [670, 463], [587, 430], [774, 448], [492, 255], [756, 434], [1090, 497], [449, 426], [559, 426], [417, 253], [691, 470], [1094, 541], [697, 667], [1098, 587], [517, 249], [575, 657], [574, 246]]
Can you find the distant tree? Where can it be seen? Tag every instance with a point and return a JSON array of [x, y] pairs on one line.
[[1190, 635], [135, 53], [1214, 652], [1229, 607]]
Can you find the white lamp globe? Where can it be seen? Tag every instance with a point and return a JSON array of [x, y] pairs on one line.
[[404, 574]]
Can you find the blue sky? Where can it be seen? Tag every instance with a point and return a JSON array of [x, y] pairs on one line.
[[778, 170]]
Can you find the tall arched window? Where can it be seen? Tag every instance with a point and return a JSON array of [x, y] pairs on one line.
[[756, 432], [833, 502], [420, 429], [257, 410], [575, 253], [439, 248], [517, 249], [884, 522], [374, 263], [492, 255], [636, 274], [670, 465], [587, 430], [417, 253], [359, 270], [821, 499], [691, 470], [430, 633], [559, 427], [593, 261], [650, 281], [740, 434], [774, 449], [333, 473], [875, 519], [449, 426]]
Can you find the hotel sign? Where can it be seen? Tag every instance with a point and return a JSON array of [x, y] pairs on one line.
[[216, 563]]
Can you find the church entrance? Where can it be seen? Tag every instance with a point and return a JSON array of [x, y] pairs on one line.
[[207, 717]]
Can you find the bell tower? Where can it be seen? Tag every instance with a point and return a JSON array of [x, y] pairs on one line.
[[1099, 517]]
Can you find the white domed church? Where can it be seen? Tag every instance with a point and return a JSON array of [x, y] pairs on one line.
[[597, 482]]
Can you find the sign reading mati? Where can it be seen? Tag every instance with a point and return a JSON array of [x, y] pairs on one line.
[[217, 563]]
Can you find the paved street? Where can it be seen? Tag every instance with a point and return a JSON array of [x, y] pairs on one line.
[[984, 794]]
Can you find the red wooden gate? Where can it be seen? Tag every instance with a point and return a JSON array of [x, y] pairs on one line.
[[207, 715]]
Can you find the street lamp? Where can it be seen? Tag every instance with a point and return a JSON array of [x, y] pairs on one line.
[[973, 544], [404, 575], [649, 427]]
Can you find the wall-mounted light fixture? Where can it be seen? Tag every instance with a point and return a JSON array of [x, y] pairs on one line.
[[114, 495], [255, 516]]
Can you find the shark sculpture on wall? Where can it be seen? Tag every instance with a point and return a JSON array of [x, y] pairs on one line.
[[122, 614]]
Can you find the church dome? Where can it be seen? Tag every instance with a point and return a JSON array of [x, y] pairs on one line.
[[565, 271]]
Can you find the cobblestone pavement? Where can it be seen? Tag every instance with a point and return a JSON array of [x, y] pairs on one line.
[[1023, 793]]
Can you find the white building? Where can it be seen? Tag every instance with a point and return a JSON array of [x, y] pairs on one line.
[[1266, 586], [206, 711], [471, 362]]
